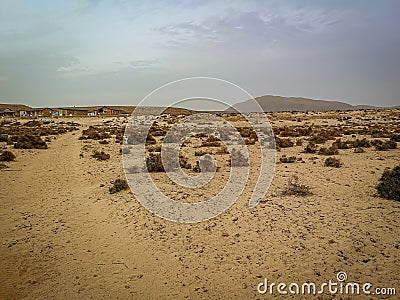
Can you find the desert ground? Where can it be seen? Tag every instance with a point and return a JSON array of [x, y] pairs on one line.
[[65, 236]]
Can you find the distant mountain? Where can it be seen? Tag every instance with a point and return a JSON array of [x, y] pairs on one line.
[[277, 103]]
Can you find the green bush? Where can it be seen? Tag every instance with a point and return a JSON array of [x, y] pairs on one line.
[[389, 184]]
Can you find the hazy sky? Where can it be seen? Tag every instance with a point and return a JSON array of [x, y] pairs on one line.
[[115, 52]]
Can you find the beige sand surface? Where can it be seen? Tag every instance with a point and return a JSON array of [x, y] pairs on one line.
[[65, 237]]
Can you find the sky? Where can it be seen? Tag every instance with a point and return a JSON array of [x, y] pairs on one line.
[[92, 52]]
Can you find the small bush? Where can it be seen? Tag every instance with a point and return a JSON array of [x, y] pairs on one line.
[[283, 143], [154, 148], [7, 156], [150, 140], [341, 145], [384, 145], [310, 148], [154, 163], [359, 150], [184, 163], [247, 132], [249, 141], [100, 155], [328, 151], [319, 138], [103, 142], [238, 159], [223, 150], [119, 185], [206, 164], [364, 143], [395, 138], [295, 188], [333, 162], [288, 160], [389, 184], [3, 166], [211, 141], [3, 138], [29, 142]]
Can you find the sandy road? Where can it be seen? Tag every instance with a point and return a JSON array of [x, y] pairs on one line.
[[50, 228]]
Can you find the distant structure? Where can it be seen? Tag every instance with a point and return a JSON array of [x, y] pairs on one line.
[[23, 111]]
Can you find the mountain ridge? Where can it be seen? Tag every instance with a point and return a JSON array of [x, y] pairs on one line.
[[271, 103]]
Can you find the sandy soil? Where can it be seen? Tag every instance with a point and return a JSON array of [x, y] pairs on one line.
[[64, 236]]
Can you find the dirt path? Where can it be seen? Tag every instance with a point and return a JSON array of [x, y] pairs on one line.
[[51, 228]]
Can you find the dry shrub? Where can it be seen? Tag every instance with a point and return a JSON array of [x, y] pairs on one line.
[[3, 166], [3, 138], [310, 148], [201, 152], [359, 150], [29, 142], [206, 164], [238, 159], [341, 145], [201, 135], [389, 184], [7, 156], [100, 155], [119, 185], [328, 151], [221, 151], [154, 148], [333, 162], [247, 132], [184, 163], [32, 123], [364, 143], [283, 143], [295, 188], [134, 139], [154, 163], [320, 138], [288, 160], [294, 131], [150, 140], [249, 141], [395, 138], [211, 141], [103, 142], [94, 133], [384, 145]]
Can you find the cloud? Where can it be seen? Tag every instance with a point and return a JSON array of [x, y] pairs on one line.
[[144, 63], [247, 29]]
